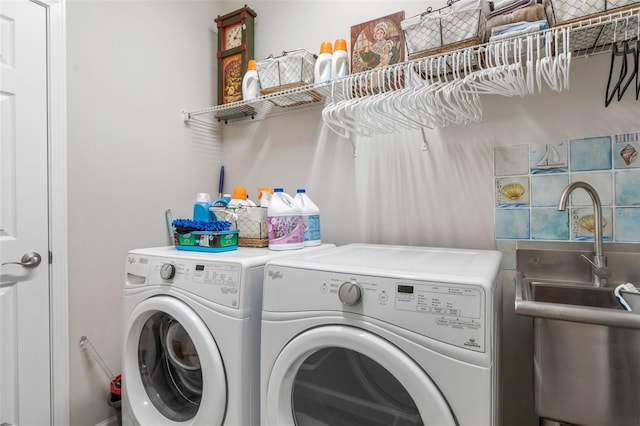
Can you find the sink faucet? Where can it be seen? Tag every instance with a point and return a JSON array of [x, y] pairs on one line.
[[599, 262]]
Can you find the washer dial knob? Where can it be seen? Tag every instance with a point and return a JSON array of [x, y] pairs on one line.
[[167, 271], [350, 293]]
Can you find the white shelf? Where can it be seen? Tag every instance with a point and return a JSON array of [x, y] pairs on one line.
[[309, 96], [588, 37]]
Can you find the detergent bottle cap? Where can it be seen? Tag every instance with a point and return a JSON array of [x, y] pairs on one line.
[[239, 193], [340, 44], [203, 197], [264, 190], [325, 47], [251, 65]]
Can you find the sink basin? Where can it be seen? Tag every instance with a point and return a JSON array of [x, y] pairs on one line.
[[586, 355], [586, 348], [578, 295], [572, 301]]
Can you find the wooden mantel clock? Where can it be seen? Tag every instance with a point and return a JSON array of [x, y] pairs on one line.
[[235, 48]]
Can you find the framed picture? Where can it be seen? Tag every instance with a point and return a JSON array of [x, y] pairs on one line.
[[377, 43], [232, 78]]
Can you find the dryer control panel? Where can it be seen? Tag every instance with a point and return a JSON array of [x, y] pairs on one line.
[[453, 313]]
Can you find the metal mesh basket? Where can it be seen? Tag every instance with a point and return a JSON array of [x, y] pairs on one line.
[[294, 67], [562, 11], [434, 29]]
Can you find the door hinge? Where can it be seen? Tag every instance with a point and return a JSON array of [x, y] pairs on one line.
[[50, 257]]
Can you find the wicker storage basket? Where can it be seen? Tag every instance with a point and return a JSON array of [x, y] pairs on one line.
[[563, 11], [292, 69], [460, 24], [251, 222]]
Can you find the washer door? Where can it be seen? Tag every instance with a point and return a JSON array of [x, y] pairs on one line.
[[173, 370], [340, 375]]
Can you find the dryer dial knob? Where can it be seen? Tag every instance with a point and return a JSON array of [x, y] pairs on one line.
[[167, 271], [350, 293]]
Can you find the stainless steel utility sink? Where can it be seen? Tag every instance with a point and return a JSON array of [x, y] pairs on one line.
[[572, 301], [586, 347], [578, 295]]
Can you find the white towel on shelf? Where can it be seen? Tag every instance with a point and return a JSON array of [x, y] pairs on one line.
[[519, 28]]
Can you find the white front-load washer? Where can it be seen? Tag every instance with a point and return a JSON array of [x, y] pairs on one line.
[[192, 336], [381, 335]]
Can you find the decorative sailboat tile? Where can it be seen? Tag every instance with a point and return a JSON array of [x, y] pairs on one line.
[[583, 224], [529, 178], [549, 158], [512, 192]]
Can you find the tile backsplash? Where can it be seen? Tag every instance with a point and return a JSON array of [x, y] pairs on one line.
[[530, 178]]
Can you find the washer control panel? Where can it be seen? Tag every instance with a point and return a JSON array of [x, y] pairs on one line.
[[439, 299], [218, 282], [448, 312], [350, 293]]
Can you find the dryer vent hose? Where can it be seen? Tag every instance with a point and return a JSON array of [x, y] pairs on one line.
[[93, 355]]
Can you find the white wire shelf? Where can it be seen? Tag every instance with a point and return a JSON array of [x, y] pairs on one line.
[[588, 37], [307, 96]]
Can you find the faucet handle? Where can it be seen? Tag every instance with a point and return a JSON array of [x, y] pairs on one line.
[[601, 271]]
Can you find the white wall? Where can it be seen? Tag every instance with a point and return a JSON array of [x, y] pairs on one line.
[[132, 67], [393, 191]]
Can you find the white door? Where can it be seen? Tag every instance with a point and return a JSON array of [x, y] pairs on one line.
[[25, 383], [340, 375]]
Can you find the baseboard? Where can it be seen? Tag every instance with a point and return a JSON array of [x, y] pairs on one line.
[[111, 421]]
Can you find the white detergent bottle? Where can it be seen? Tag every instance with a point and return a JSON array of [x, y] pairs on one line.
[[250, 82], [265, 197], [284, 222], [322, 70], [239, 198], [310, 218], [340, 59]]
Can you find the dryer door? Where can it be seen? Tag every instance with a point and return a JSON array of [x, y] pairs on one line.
[[172, 370], [340, 375]]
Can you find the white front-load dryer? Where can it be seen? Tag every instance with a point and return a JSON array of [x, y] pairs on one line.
[[192, 336], [381, 335]]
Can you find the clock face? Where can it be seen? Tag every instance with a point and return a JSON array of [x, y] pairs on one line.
[[233, 36]]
